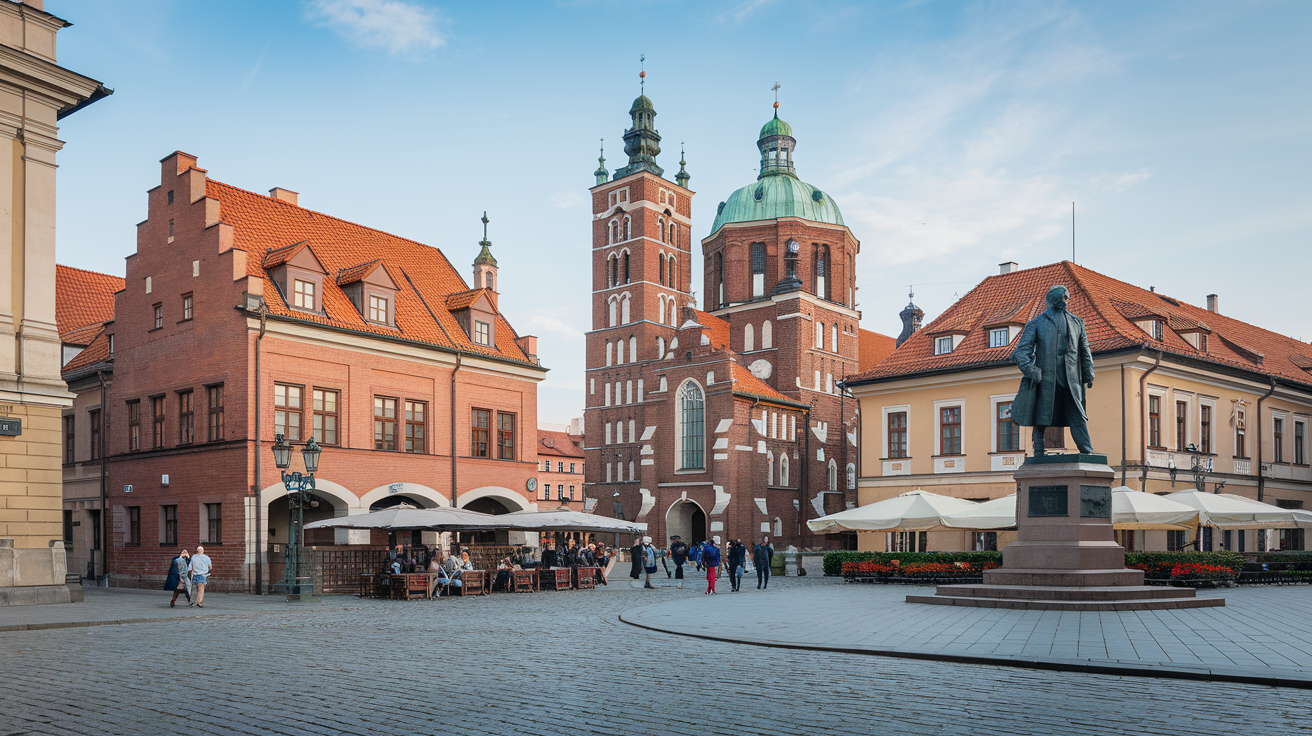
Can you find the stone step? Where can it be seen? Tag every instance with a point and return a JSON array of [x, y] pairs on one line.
[[1063, 577], [1150, 604], [1063, 593]]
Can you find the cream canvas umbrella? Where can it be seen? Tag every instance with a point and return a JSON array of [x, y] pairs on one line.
[[1131, 509], [911, 511], [1000, 513], [565, 520], [1228, 511], [398, 517]]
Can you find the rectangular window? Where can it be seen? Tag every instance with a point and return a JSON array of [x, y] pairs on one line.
[[134, 526], [415, 414], [1181, 425], [325, 416], [949, 430], [1278, 440], [70, 421], [134, 426], [506, 436], [897, 434], [186, 418], [303, 294], [215, 395], [1175, 540], [170, 525], [287, 406], [1241, 449], [159, 316], [214, 519], [1154, 421], [68, 527], [571, 467], [1205, 429], [384, 423], [482, 333], [560, 467], [157, 421], [480, 436], [94, 417], [1008, 430], [943, 345], [1300, 443], [186, 307], [758, 269], [378, 309], [999, 338]]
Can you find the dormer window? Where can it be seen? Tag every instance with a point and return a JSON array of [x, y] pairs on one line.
[[482, 333], [999, 337], [303, 294], [943, 345], [378, 310]]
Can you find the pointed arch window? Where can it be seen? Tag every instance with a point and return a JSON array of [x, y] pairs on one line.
[[661, 270], [613, 233], [783, 469], [674, 235], [758, 269], [749, 338], [627, 228], [692, 421], [769, 468], [767, 335], [614, 271], [626, 267], [719, 280], [624, 308], [661, 304], [833, 475], [619, 352], [633, 348], [614, 308], [660, 228], [822, 271]]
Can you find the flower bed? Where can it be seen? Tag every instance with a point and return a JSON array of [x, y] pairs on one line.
[[833, 562], [893, 571]]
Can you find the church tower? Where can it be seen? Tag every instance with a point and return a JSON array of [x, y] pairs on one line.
[[641, 271], [485, 265]]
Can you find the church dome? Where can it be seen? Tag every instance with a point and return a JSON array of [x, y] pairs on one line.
[[775, 127], [642, 103], [777, 196]]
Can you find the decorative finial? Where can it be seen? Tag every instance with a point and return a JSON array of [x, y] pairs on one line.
[[485, 222], [775, 88], [911, 293], [681, 161], [642, 73]]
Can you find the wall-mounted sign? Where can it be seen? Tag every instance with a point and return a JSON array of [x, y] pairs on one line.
[[394, 488], [164, 479], [127, 489], [11, 426]]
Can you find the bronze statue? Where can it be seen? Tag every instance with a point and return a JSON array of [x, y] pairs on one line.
[[1054, 356]]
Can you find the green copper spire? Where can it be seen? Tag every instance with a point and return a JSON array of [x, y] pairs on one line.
[[776, 144], [485, 255], [601, 173], [641, 142], [683, 176]]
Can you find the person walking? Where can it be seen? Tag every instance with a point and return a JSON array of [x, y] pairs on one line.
[[200, 574], [737, 561], [762, 554], [711, 561], [679, 552], [649, 560], [178, 580], [635, 559]]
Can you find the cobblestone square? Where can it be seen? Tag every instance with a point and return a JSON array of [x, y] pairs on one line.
[[547, 663]]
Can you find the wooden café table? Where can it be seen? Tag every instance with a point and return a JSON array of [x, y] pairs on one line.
[[523, 581], [554, 578], [585, 578]]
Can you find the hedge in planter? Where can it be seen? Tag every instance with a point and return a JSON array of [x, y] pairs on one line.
[[833, 563], [1160, 565]]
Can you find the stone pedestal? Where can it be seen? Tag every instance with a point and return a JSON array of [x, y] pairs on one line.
[[1065, 556]]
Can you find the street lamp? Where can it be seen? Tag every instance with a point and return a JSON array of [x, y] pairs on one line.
[[300, 495], [1200, 470]]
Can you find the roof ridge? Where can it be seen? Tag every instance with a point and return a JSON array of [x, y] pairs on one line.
[[1073, 269], [89, 271]]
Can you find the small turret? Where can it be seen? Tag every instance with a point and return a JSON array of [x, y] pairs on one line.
[[911, 319], [485, 265], [601, 173], [641, 142], [683, 176]]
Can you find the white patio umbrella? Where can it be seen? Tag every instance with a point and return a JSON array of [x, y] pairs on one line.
[[1228, 511], [1131, 509], [911, 511], [1000, 513], [564, 520], [437, 519], [1303, 519]]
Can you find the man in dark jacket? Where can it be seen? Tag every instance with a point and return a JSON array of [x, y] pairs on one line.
[[635, 553], [737, 561], [679, 551], [1054, 357], [762, 554]]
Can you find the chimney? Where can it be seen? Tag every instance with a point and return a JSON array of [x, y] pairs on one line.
[[529, 344], [285, 195], [1212, 306], [1008, 267]]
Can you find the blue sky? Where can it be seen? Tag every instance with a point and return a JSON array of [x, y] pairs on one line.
[[953, 135]]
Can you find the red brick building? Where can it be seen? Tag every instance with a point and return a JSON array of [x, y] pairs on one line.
[[560, 482], [245, 316], [726, 421]]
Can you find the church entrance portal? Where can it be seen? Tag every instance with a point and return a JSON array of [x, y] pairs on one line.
[[687, 520]]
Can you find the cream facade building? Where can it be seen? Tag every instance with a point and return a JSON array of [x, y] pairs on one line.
[[1168, 375], [35, 92]]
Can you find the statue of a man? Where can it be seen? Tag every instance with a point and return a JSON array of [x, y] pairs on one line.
[[1054, 357]]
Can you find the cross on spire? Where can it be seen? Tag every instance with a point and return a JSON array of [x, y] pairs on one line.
[[775, 89], [485, 222], [642, 74]]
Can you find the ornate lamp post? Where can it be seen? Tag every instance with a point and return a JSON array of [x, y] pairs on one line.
[[300, 495]]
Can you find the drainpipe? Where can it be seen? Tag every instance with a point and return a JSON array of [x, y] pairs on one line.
[[1143, 420], [805, 489], [459, 357], [259, 512], [1123, 424], [1261, 479], [104, 509]]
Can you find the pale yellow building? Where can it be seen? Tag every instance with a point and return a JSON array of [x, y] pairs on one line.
[[935, 414], [35, 92]]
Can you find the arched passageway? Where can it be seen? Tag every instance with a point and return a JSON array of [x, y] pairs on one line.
[[686, 519]]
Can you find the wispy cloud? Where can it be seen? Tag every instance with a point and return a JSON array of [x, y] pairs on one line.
[[255, 70], [394, 26]]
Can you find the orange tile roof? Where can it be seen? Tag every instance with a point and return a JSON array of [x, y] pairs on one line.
[[463, 299], [83, 299], [263, 226], [560, 444], [717, 330], [1108, 308], [873, 347], [745, 384], [355, 273], [95, 352]]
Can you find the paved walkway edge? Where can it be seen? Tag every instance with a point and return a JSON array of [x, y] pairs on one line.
[[1167, 670]]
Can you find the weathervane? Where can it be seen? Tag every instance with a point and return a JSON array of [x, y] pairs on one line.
[[775, 88], [485, 222], [642, 73]]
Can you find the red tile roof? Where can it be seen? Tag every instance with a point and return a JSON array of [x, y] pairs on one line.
[[263, 226], [83, 299], [873, 347], [717, 330], [1108, 308], [745, 384], [355, 273], [95, 352], [464, 299], [560, 444]]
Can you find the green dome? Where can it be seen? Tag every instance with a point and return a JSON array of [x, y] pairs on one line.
[[779, 196], [642, 103], [776, 127]]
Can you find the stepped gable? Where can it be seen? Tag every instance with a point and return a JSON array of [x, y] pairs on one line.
[[271, 231], [84, 300], [873, 347], [1109, 308]]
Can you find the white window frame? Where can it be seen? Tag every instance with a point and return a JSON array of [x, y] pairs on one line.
[[885, 411], [1197, 424], [678, 430], [1189, 419], [938, 424], [993, 423], [482, 332], [940, 342], [1004, 332], [1271, 432]]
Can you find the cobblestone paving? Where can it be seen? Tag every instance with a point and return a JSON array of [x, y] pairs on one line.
[[551, 663]]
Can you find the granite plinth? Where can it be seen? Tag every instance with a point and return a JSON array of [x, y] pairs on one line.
[[1065, 557]]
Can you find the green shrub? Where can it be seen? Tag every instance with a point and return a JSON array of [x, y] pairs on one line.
[[1158, 565], [1293, 558], [833, 564]]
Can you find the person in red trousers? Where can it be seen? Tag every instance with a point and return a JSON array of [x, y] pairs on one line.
[[711, 561]]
